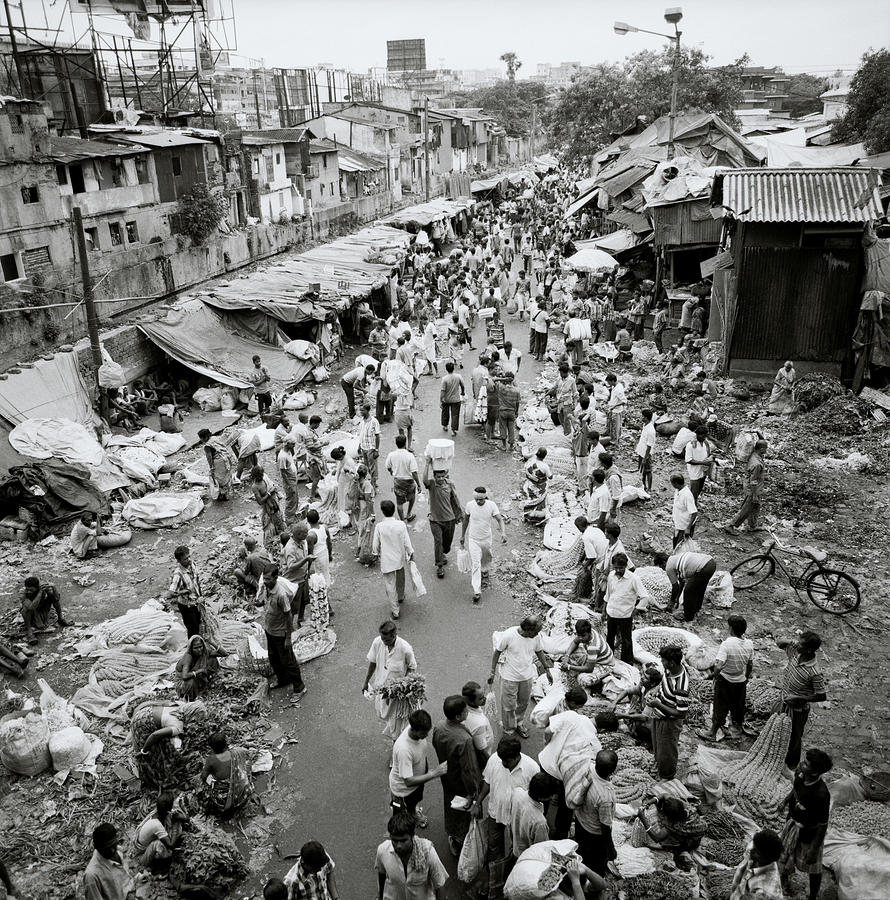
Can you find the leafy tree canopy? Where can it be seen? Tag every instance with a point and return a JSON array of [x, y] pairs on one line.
[[605, 103], [509, 102], [868, 104], [803, 94]]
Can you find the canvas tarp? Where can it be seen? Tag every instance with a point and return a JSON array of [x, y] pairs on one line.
[[53, 388], [195, 336], [489, 184], [426, 213], [782, 156]]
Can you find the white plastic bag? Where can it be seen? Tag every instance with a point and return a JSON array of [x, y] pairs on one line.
[[24, 744], [253, 406], [416, 580], [472, 854], [111, 375], [464, 566], [208, 398], [720, 591], [687, 545], [320, 374]]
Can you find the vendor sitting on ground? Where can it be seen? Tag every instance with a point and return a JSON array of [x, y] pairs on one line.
[[252, 562], [84, 536], [226, 778], [195, 668], [38, 601], [156, 730], [120, 412], [675, 826], [169, 417], [12, 662], [158, 834]]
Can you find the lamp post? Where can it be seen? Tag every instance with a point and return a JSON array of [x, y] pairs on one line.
[[672, 16]]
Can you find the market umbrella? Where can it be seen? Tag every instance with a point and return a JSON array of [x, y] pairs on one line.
[[591, 259]]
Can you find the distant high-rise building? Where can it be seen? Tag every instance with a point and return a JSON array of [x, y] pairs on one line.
[[406, 55]]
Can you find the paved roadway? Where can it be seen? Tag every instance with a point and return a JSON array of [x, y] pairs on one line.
[[333, 785]]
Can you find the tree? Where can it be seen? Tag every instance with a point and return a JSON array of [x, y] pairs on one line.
[[200, 211], [607, 102], [803, 94], [513, 62], [868, 104], [509, 102]]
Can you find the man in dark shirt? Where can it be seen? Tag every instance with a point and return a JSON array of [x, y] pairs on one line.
[[445, 512], [454, 744], [804, 833], [509, 397]]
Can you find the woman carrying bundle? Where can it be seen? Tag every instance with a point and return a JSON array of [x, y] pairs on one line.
[[534, 488]]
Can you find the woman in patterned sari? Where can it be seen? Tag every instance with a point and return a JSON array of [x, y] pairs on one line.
[[156, 732], [225, 778]]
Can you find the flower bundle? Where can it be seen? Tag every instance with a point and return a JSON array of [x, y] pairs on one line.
[[410, 690]]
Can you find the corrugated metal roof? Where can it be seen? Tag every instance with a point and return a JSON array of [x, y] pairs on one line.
[[843, 194], [161, 139], [65, 149]]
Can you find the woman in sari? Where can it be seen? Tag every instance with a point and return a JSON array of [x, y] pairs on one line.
[[362, 504], [225, 778], [534, 488], [194, 669], [156, 730], [345, 478], [158, 834], [220, 461], [429, 345], [781, 400], [265, 493]]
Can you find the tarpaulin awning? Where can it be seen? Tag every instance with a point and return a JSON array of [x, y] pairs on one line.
[[489, 184], [616, 242], [426, 213], [589, 259], [636, 222], [195, 336], [780, 156], [51, 389], [580, 203]]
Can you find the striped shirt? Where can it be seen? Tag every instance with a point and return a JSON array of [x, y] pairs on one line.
[[736, 654], [597, 810], [802, 680], [673, 692]]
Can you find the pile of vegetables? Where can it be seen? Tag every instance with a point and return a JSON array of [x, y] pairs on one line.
[[815, 388], [720, 883], [117, 671], [561, 563], [655, 886], [630, 784], [866, 817], [702, 689], [727, 852], [137, 626], [761, 698], [757, 780], [723, 825], [656, 637], [208, 856], [636, 758]]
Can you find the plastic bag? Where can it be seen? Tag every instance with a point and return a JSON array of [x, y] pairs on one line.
[[320, 374], [861, 865], [366, 542], [253, 406], [69, 748], [687, 545], [208, 398], [213, 489], [111, 375], [464, 566], [720, 590], [416, 580], [472, 854]]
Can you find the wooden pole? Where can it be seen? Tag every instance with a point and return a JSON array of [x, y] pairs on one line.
[[92, 315], [426, 146]]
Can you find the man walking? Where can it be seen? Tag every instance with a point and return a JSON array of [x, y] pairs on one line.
[[684, 511], [392, 546], [508, 411], [452, 392], [754, 477], [733, 665], [624, 593], [279, 626], [369, 441], [514, 662], [402, 465], [479, 513], [616, 409], [453, 744], [565, 394], [646, 448], [185, 589], [493, 401], [409, 771], [477, 722], [699, 458], [445, 512], [539, 325]]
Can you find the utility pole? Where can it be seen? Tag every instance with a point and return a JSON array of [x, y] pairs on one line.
[[426, 146], [674, 90], [256, 103], [92, 315], [15, 49], [531, 142]]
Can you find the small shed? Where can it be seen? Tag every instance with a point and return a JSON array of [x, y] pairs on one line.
[[793, 290]]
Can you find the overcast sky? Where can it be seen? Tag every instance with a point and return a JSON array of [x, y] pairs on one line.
[[472, 34], [801, 35]]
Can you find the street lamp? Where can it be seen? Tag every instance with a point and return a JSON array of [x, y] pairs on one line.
[[672, 16]]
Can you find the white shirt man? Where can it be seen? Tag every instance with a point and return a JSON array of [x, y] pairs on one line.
[[502, 781], [393, 546], [647, 440], [510, 361], [479, 514], [570, 732], [401, 463], [623, 594], [596, 544], [684, 510]]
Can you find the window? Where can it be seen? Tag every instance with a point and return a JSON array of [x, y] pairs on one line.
[[92, 238], [277, 159], [322, 190], [270, 169], [37, 261], [30, 194], [142, 169], [176, 162], [61, 174], [117, 237], [77, 181], [132, 233], [333, 192], [17, 124], [324, 161], [9, 267]]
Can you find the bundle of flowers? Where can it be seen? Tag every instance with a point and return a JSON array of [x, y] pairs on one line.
[[411, 690]]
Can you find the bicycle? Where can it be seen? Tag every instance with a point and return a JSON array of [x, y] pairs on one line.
[[830, 590]]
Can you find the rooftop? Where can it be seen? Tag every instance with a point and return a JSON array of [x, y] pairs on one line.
[[73, 149]]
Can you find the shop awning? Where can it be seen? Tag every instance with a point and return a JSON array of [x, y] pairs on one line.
[[195, 336]]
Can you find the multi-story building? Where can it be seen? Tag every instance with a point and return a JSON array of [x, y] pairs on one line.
[[271, 190], [765, 89], [323, 178]]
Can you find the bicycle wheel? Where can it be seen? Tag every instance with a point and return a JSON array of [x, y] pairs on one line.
[[752, 571], [835, 592]]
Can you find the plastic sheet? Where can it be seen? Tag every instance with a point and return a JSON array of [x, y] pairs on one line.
[[162, 510]]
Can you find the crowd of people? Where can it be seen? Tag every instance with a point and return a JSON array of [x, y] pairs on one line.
[[509, 264]]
